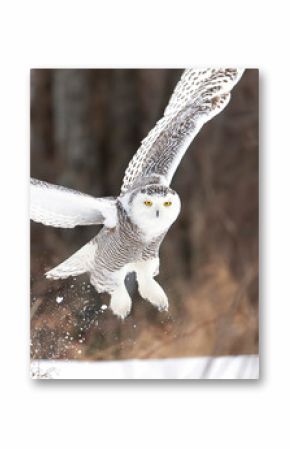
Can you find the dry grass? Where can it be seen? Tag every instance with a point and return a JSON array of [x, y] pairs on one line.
[[213, 317]]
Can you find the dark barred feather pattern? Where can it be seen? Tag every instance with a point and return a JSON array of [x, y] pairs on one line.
[[198, 97], [118, 247]]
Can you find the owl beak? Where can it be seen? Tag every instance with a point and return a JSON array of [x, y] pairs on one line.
[[157, 213]]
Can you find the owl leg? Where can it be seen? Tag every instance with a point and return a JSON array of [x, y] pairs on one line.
[[121, 302], [148, 288], [113, 282]]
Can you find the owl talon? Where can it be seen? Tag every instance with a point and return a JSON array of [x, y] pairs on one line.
[[163, 308]]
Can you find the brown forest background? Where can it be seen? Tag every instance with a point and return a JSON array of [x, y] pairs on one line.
[[85, 127]]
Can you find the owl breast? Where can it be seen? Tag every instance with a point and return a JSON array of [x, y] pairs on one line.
[[119, 248]]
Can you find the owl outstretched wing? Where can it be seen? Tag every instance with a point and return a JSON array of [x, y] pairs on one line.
[[60, 207], [197, 98]]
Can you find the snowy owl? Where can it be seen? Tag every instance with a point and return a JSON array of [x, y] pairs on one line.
[[136, 222]]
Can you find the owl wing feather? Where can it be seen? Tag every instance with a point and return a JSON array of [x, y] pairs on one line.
[[80, 262], [197, 98], [61, 207]]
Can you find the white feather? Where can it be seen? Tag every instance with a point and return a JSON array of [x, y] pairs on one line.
[[78, 263], [66, 208]]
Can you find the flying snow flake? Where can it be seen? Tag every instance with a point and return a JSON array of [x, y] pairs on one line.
[[59, 299], [104, 307]]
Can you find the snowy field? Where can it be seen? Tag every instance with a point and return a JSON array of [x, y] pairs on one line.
[[228, 367]]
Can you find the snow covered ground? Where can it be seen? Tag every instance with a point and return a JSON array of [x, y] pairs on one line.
[[228, 367]]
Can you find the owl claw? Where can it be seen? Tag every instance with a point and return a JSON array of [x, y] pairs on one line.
[[163, 308]]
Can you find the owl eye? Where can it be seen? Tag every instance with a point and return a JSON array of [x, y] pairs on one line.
[[167, 203], [148, 203]]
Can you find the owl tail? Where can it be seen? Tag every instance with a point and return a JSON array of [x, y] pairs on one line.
[[79, 263]]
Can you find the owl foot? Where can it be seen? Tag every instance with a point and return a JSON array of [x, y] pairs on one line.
[[154, 293], [120, 303]]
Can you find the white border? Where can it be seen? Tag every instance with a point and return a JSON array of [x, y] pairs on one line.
[[147, 34], [193, 368]]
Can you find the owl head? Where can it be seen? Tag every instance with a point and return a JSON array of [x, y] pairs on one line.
[[153, 209]]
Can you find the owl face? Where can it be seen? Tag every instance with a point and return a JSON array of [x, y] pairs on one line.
[[153, 209]]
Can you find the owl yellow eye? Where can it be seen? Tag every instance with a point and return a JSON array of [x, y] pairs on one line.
[[148, 203], [167, 203]]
